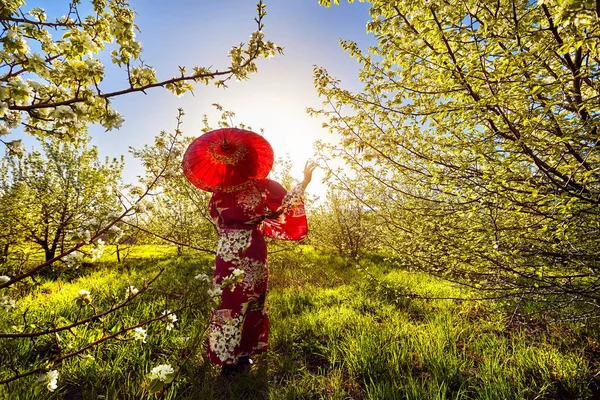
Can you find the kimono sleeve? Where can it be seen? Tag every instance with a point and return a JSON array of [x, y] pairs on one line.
[[291, 224]]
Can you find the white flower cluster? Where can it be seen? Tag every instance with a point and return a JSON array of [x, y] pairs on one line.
[[64, 115], [3, 108], [117, 233], [140, 207], [7, 303], [50, 379], [215, 293], [96, 252], [131, 291], [12, 119], [73, 259], [161, 372], [235, 278], [142, 76], [140, 334], [85, 296], [14, 40], [16, 148], [170, 320], [113, 120], [202, 278], [83, 235]]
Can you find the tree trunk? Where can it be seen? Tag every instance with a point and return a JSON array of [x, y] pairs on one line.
[[4, 254], [49, 252]]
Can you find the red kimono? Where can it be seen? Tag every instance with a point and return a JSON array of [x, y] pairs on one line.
[[239, 326]]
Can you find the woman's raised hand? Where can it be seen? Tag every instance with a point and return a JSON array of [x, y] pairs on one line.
[[308, 170]]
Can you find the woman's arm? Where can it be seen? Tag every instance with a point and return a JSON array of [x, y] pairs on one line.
[[309, 167]]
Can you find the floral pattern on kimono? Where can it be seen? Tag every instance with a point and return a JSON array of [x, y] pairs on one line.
[[239, 326]]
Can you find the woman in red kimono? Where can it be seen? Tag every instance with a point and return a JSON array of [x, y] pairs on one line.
[[239, 325]]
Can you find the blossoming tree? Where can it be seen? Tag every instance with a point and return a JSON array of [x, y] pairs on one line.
[[57, 194], [475, 140]]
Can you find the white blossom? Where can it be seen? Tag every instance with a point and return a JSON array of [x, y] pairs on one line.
[[170, 320], [72, 259], [140, 334], [232, 280], [64, 114], [12, 118], [20, 91], [35, 85], [50, 379], [131, 291], [113, 120], [215, 293], [16, 38], [3, 108], [37, 63], [202, 278], [94, 65], [85, 296], [7, 303], [96, 252], [140, 208], [161, 372], [117, 232], [4, 278], [16, 148]]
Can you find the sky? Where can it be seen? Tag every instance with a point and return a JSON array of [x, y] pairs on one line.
[[200, 32]]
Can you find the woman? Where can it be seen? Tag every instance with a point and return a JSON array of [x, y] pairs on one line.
[[239, 325], [246, 207]]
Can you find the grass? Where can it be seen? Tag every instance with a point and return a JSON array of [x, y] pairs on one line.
[[334, 335]]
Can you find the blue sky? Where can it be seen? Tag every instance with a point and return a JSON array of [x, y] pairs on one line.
[[188, 32]]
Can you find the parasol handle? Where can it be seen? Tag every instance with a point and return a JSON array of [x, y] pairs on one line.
[[226, 144]]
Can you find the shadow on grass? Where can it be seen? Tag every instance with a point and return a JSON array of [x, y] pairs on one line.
[[208, 384]]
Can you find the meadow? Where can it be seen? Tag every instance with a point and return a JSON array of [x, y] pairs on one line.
[[340, 329]]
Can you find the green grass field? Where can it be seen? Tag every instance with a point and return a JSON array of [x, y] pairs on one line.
[[335, 334]]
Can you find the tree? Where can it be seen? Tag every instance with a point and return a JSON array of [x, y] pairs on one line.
[[60, 192], [475, 141], [343, 224]]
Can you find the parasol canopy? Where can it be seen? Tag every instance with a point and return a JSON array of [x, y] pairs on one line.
[[227, 160]]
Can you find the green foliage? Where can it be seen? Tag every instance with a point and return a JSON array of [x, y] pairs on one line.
[[474, 142]]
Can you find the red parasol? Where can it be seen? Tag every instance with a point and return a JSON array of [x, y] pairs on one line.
[[227, 160]]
